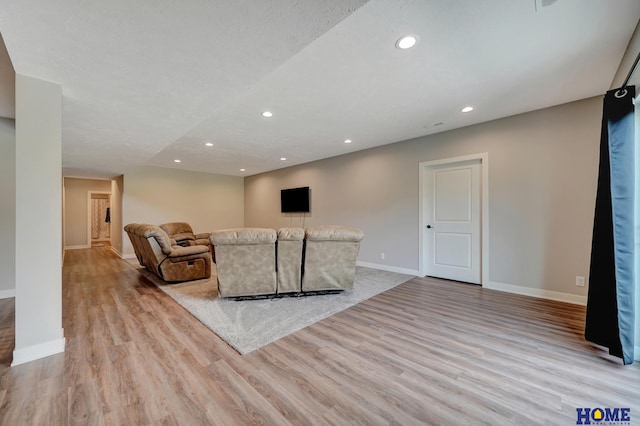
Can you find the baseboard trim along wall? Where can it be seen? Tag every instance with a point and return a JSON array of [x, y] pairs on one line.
[[636, 353], [77, 247], [536, 292], [129, 256], [7, 294], [115, 250], [41, 350], [388, 268]]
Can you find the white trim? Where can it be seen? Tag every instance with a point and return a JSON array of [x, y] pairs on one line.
[[76, 247], [41, 350], [536, 292], [89, 194], [484, 160], [120, 255], [636, 353], [388, 268], [129, 256], [7, 294]]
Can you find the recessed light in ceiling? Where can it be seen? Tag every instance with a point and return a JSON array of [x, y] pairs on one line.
[[348, 141], [467, 109], [208, 144], [283, 158], [243, 170], [407, 42], [267, 114], [177, 161]]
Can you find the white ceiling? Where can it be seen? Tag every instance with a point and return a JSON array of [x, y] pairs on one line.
[[148, 82]]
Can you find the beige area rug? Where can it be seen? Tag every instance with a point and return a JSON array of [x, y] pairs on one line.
[[251, 324]]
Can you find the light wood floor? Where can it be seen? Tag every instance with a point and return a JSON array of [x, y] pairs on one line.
[[426, 352]]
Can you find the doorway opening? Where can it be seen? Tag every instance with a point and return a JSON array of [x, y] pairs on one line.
[[99, 219]]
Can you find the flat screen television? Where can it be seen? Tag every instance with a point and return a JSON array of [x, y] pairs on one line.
[[294, 200]]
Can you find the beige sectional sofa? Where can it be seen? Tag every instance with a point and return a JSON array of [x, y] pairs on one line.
[[169, 261], [245, 261], [330, 258], [250, 263]]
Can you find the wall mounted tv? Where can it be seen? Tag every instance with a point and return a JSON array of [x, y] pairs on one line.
[[294, 200]]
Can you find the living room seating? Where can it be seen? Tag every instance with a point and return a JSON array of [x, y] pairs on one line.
[[245, 261], [252, 263], [330, 257], [170, 262], [289, 259], [184, 235]]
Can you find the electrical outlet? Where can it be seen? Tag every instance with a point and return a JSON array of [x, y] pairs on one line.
[[580, 281], [381, 256]]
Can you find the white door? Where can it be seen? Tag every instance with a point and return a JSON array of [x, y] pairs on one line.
[[453, 221]]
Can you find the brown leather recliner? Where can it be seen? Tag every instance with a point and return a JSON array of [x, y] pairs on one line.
[[170, 262], [184, 235]]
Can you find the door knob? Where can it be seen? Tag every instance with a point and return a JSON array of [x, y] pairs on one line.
[[428, 226]]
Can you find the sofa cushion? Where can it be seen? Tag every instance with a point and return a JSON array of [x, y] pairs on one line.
[[290, 234], [181, 236], [188, 251], [333, 233], [243, 236]]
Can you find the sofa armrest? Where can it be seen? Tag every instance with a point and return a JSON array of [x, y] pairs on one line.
[[202, 236], [178, 251]]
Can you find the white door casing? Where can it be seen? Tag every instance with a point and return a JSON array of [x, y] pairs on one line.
[[452, 222]]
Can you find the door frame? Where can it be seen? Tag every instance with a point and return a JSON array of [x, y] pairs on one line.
[[89, 194], [425, 167]]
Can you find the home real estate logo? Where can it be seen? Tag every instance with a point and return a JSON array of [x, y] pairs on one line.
[[603, 416]]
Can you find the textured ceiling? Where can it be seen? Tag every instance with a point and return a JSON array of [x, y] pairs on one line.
[[148, 82]]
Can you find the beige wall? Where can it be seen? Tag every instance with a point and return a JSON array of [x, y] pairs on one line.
[[158, 195], [76, 208], [117, 186], [542, 181], [7, 207]]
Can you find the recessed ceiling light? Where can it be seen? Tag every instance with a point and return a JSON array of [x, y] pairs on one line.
[[267, 114], [347, 141], [407, 42], [243, 170], [467, 109], [177, 161], [283, 158], [208, 144]]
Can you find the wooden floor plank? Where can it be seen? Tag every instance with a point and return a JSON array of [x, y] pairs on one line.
[[426, 352]]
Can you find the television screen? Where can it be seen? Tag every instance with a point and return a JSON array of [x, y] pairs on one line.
[[294, 200]]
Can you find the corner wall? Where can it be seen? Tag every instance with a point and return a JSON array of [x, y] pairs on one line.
[[117, 188], [157, 195], [38, 309], [7, 208], [542, 181]]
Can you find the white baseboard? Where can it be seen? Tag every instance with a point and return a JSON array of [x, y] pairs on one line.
[[536, 292], [41, 350], [388, 268], [129, 256], [7, 294], [636, 353], [77, 247], [117, 252]]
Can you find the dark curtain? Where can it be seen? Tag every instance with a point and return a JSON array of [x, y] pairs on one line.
[[610, 305]]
